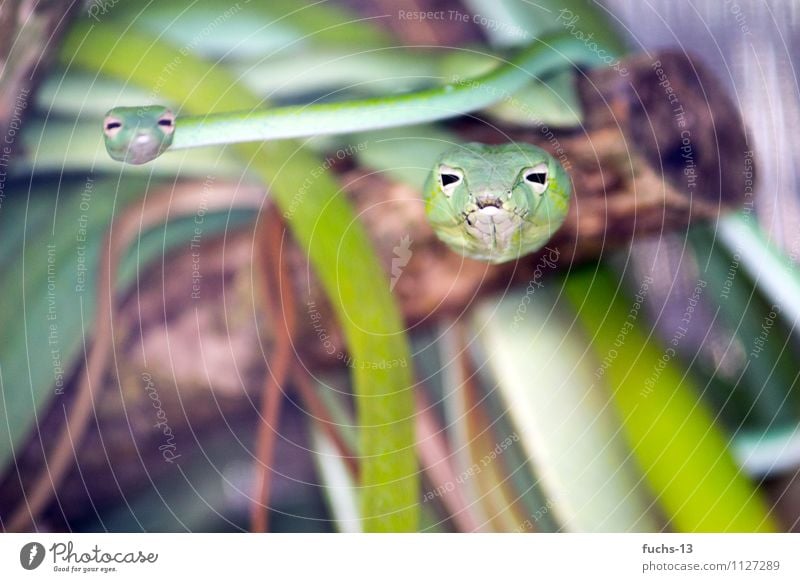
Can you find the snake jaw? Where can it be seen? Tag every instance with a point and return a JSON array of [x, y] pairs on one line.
[[492, 223], [493, 227]]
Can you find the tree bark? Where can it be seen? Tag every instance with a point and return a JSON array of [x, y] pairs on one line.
[[29, 35]]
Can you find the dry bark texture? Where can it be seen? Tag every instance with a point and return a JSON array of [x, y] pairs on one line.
[[29, 39]]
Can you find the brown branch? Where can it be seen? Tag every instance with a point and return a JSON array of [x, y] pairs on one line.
[[281, 310], [435, 458]]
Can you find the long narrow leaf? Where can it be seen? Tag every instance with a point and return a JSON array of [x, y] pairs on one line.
[[682, 452]]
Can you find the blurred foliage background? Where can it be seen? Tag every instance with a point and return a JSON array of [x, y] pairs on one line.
[[178, 353]]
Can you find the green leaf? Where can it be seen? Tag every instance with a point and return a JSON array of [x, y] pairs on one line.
[[405, 154], [561, 412], [755, 292], [340, 488], [552, 102], [684, 456], [245, 29], [510, 22], [49, 292]]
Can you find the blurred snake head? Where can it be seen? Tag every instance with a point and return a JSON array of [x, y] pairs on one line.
[[137, 135], [496, 203]]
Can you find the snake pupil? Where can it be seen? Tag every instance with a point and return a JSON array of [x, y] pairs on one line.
[[536, 177], [448, 179], [165, 122], [113, 125]]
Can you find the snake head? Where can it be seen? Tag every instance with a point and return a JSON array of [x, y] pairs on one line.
[[497, 203], [137, 135]]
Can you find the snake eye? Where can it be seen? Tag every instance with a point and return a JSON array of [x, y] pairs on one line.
[[167, 122], [536, 178], [112, 126], [449, 178]]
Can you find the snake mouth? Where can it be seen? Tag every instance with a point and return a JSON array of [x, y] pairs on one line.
[[491, 209], [491, 228], [493, 203]]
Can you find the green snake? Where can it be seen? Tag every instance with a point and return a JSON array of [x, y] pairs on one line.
[[489, 203]]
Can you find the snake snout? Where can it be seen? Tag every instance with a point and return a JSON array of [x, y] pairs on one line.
[[487, 199], [143, 137], [141, 148]]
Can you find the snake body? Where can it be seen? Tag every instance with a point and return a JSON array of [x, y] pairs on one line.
[[490, 203]]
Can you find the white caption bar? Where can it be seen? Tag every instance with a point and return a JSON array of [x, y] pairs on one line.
[[357, 557]]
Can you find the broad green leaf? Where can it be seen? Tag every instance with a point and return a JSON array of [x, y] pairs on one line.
[[752, 287], [552, 102], [511, 22], [561, 413], [685, 457], [244, 29], [406, 154], [49, 292]]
